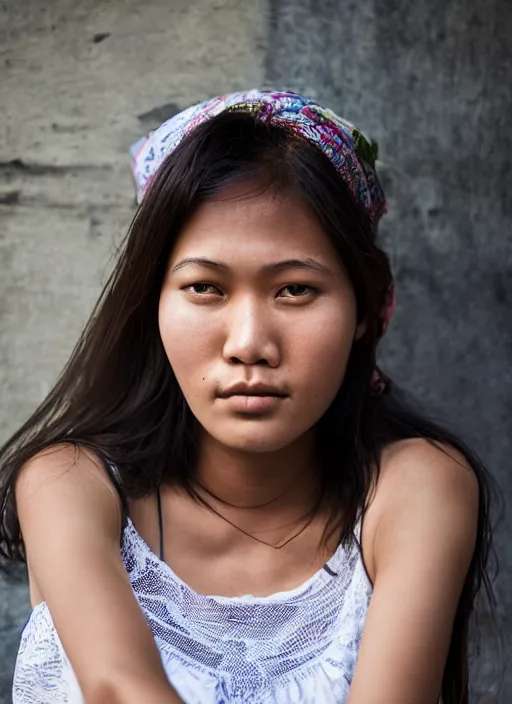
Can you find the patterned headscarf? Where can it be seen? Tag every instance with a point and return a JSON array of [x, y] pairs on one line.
[[347, 148], [351, 153]]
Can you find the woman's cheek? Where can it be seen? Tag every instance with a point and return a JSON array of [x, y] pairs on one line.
[[185, 332], [175, 319], [326, 338]]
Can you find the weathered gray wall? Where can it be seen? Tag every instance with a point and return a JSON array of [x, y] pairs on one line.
[[430, 80]]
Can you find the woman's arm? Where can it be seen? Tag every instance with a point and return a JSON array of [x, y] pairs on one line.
[[423, 541], [70, 518]]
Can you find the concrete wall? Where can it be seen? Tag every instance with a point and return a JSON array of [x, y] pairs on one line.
[[431, 81]]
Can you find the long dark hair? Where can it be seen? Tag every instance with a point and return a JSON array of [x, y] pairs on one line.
[[118, 395]]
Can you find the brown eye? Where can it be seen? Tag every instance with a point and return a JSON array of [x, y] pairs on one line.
[[202, 289], [296, 291]]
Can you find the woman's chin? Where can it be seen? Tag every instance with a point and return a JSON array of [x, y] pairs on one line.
[[253, 438]]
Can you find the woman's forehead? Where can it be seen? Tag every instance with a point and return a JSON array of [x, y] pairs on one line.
[[264, 225]]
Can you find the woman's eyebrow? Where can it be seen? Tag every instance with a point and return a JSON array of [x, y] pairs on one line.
[[198, 261], [306, 264], [271, 267]]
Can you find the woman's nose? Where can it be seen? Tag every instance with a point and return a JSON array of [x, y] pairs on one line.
[[250, 335]]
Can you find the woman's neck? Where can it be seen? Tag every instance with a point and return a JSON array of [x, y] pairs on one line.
[[280, 487], [265, 531]]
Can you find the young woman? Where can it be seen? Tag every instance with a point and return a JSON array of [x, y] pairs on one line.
[[223, 499]]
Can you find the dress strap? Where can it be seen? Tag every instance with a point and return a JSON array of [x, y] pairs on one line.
[[358, 530], [160, 525], [115, 477]]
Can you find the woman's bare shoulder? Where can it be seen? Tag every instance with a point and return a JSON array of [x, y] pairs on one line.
[[62, 477], [56, 462], [424, 489], [429, 501], [431, 468]]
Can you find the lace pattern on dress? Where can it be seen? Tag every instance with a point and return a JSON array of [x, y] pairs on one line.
[[295, 646]]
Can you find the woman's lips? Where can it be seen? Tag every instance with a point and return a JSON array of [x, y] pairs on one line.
[[252, 404]]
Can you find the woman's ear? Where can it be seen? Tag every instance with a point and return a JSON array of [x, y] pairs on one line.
[[360, 329]]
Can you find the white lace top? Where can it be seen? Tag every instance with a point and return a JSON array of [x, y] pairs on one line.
[[297, 646]]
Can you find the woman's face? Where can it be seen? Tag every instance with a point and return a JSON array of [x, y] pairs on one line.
[[257, 316]]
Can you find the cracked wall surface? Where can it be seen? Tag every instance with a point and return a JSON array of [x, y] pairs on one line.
[[430, 81]]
